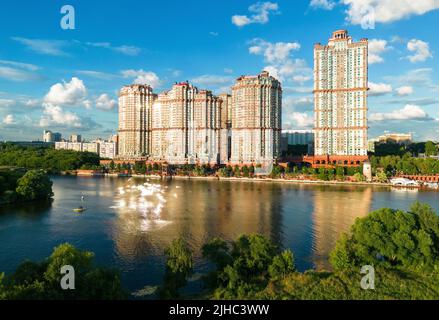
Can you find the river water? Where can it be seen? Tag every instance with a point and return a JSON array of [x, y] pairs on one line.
[[129, 222]]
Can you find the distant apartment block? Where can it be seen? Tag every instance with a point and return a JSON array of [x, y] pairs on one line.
[[105, 149], [49, 136], [297, 137], [75, 138], [188, 125], [340, 96], [256, 119]]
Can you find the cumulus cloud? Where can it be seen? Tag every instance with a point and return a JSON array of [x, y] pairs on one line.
[[385, 11], [260, 14], [298, 103], [376, 48], [67, 93], [409, 112], [9, 119], [299, 120], [273, 52], [142, 77], [379, 89], [55, 115], [404, 90], [104, 102], [278, 56], [420, 50], [322, 4]]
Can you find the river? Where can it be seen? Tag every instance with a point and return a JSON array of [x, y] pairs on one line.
[[129, 222]]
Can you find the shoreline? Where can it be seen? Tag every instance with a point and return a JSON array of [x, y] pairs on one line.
[[292, 181], [248, 179]]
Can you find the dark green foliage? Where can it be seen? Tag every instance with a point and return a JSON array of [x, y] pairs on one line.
[[405, 164], [392, 239], [34, 185], [42, 280], [244, 267], [179, 267], [46, 158]]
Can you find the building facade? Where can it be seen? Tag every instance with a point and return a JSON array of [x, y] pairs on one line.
[[135, 104], [49, 136], [297, 137], [185, 126], [256, 119], [340, 97]]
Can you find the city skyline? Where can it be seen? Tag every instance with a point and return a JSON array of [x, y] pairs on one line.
[[67, 81]]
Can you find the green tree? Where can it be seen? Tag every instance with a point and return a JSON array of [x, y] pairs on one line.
[[179, 267], [34, 185], [393, 239], [430, 149], [42, 280], [282, 265]]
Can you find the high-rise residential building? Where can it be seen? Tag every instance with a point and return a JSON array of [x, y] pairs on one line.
[[185, 126], [135, 103], [75, 138], [256, 119], [49, 136], [340, 97], [226, 126]]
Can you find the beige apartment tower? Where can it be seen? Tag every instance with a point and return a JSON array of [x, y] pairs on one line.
[[135, 104], [186, 125], [340, 96], [256, 119]]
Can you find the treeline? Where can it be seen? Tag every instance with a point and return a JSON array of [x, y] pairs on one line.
[[402, 246], [405, 164], [19, 185], [47, 158], [428, 148]]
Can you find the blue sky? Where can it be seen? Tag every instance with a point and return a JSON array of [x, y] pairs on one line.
[[67, 80]]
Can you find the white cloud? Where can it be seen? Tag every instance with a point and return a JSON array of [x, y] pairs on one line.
[[385, 11], [9, 119], [104, 102], [300, 120], [301, 79], [376, 48], [67, 93], [273, 52], [20, 65], [322, 4], [47, 47], [261, 12], [6, 103], [420, 49], [212, 80], [14, 74], [142, 77], [409, 112], [214, 34], [379, 89], [124, 49], [55, 115], [404, 90], [228, 70], [298, 103]]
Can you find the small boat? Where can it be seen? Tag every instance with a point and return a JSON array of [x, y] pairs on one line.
[[79, 209]]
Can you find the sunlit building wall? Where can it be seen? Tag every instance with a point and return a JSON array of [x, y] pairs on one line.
[[256, 119], [340, 96]]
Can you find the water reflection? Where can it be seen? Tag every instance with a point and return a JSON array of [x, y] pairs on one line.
[[150, 215], [335, 210]]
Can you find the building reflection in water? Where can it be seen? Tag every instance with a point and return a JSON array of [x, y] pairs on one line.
[[153, 213], [335, 210]]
